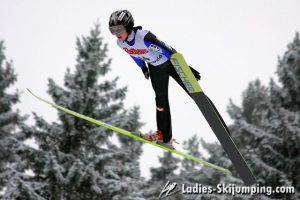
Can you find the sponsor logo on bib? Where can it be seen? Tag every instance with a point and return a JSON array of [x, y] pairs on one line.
[[136, 51]]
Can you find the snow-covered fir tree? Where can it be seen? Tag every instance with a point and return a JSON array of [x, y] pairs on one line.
[[161, 175], [213, 177], [12, 168], [192, 173], [266, 129], [288, 71], [267, 126], [79, 160], [286, 114]]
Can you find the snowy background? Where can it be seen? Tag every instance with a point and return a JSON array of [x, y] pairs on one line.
[[230, 42]]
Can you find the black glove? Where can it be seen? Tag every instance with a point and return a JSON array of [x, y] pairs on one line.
[[146, 72], [196, 74]]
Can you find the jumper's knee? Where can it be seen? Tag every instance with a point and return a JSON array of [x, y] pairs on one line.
[[162, 104]]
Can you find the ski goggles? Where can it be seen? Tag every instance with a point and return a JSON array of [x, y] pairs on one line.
[[118, 29]]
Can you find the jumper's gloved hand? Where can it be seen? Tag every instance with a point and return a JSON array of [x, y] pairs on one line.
[[196, 74], [146, 72]]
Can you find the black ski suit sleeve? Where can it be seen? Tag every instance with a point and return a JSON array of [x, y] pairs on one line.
[[153, 39]]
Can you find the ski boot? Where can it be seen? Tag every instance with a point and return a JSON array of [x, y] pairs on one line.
[[158, 138]]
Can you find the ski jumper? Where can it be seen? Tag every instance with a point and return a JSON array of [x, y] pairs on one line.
[[148, 51]]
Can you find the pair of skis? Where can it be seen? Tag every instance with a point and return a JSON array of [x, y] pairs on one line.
[[208, 110]]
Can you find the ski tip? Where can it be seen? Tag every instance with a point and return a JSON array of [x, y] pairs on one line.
[[30, 91], [38, 96]]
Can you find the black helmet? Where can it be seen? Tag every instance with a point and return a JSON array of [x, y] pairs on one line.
[[122, 17]]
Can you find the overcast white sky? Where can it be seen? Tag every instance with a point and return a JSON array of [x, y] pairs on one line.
[[230, 42]]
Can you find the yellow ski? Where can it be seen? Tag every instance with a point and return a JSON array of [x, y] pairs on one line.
[[132, 135]]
